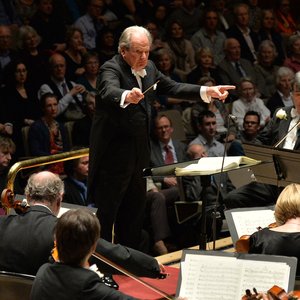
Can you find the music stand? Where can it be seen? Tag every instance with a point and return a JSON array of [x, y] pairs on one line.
[[169, 170], [281, 167]]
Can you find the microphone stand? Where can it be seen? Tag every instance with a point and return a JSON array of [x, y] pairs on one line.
[[214, 223]]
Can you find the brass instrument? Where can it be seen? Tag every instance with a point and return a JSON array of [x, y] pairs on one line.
[[7, 196]]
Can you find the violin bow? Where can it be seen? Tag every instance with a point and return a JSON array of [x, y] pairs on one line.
[[127, 273]]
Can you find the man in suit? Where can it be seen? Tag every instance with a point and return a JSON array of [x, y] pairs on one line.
[[69, 94], [280, 130], [27, 239], [119, 148], [243, 33], [232, 68]]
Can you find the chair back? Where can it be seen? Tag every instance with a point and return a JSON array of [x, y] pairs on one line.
[[15, 286]]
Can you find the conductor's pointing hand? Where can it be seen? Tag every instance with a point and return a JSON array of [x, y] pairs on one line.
[[219, 91]]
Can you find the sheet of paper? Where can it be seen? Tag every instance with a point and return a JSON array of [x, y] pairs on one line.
[[222, 277], [247, 222]]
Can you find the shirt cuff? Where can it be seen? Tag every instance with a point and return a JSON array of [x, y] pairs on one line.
[[203, 94], [122, 104]]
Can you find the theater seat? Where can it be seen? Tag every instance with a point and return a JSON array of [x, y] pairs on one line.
[[15, 286]]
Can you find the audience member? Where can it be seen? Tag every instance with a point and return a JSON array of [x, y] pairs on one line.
[[189, 14], [268, 32], [224, 13], [26, 246], [25, 10], [93, 21], [70, 103], [76, 235], [157, 223], [233, 67], [223, 122], [266, 67], [76, 181], [251, 128], [208, 36], [285, 22], [182, 49], [293, 53], [205, 66], [165, 150], [30, 53], [20, 103], [82, 128], [207, 128], [243, 33], [282, 96], [8, 14], [106, 45], [7, 149], [248, 100], [283, 239], [46, 135], [74, 53], [91, 64], [6, 52], [220, 185], [50, 27], [255, 13]]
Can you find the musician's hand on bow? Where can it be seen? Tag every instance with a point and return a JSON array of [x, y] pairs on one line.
[[134, 96], [219, 91]]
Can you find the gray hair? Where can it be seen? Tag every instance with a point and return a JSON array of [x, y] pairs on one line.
[[282, 72], [44, 187], [291, 41], [24, 31], [265, 44], [125, 38]]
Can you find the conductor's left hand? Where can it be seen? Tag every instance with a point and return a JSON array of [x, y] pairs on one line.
[[219, 91]]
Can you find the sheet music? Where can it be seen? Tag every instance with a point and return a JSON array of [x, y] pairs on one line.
[[221, 277], [246, 222]]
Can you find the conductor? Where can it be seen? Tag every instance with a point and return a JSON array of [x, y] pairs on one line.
[[119, 143]]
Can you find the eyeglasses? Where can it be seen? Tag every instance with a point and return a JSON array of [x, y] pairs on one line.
[[250, 122]]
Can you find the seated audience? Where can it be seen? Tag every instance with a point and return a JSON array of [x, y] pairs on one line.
[[293, 53], [268, 32], [76, 181], [208, 36], [82, 128], [50, 27], [76, 235], [20, 103], [73, 53], [182, 49], [207, 128], [283, 95], [249, 101], [251, 128], [25, 246], [284, 238], [266, 67], [46, 135], [69, 94], [106, 45]]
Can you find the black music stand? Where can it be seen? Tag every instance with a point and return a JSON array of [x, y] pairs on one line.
[[169, 170], [281, 168]]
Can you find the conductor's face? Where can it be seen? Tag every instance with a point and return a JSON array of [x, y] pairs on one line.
[[137, 54]]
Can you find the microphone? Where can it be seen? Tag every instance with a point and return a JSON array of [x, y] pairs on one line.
[[219, 106]]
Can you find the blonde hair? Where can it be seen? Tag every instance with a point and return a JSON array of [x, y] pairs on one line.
[[288, 204]]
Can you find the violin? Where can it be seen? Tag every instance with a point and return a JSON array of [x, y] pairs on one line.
[[274, 293], [243, 243]]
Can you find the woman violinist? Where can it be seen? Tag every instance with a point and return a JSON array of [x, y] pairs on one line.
[[284, 239]]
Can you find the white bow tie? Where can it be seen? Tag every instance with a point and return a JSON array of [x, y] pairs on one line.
[[142, 73]]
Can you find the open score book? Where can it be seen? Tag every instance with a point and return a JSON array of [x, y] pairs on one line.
[[212, 165]]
